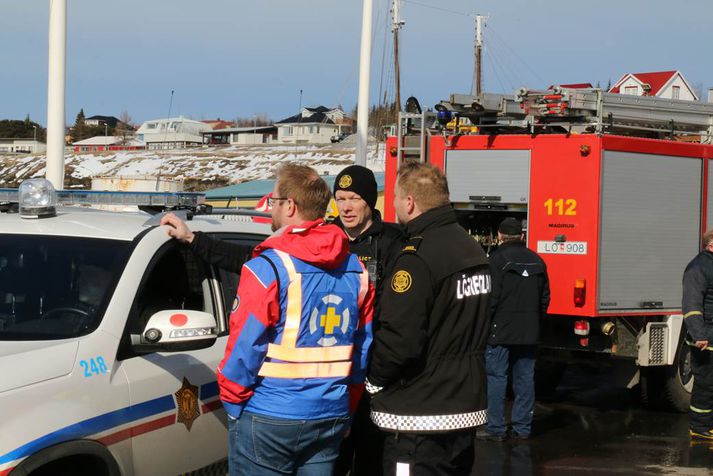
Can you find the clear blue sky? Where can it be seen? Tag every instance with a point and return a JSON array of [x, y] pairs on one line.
[[234, 58]]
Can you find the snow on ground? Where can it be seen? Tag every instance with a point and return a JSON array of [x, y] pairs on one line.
[[207, 165]]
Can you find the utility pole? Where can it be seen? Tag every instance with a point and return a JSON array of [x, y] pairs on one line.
[[478, 83], [364, 76], [56, 92], [396, 26]]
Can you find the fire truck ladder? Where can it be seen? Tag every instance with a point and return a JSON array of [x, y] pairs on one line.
[[410, 146], [603, 112]]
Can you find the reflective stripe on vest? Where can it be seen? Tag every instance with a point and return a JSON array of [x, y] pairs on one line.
[[363, 284], [287, 370], [302, 362]]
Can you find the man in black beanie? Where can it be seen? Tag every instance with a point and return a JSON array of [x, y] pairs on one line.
[[376, 244]]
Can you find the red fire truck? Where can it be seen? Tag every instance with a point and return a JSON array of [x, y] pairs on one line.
[[615, 192]]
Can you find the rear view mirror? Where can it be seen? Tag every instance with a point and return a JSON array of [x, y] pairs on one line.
[[176, 331]]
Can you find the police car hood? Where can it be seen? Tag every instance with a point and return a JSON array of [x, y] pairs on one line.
[[314, 242], [27, 362]]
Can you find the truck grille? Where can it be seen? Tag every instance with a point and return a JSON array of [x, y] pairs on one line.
[[657, 344]]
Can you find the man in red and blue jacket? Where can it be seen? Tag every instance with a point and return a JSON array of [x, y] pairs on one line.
[[300, 333]]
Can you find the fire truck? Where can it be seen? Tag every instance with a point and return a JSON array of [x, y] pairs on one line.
[[615, 192]]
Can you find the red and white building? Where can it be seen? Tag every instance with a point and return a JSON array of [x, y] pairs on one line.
[[663, 84]]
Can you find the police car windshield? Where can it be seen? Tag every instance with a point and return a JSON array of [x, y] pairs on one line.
[[56, 287]]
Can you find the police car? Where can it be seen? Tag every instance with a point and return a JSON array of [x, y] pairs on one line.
[[110, 334]]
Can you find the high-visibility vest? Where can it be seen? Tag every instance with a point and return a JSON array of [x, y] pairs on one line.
[[329, 358]]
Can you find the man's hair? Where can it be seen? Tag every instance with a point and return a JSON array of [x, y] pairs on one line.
[[707, 238], [425, 183], [306, 188]]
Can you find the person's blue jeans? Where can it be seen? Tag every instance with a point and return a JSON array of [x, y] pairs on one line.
[[261, 445], [520, 360]]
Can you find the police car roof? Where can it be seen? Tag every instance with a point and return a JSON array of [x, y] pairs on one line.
[[125, 226]]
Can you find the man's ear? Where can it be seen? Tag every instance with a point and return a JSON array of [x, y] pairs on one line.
[[410, 204], [291, 208]]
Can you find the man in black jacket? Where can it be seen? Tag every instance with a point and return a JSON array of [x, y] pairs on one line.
[[698, 316], [427, 372], [519, 299], [376, 244]]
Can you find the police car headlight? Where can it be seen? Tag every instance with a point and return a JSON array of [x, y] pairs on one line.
[[37, 199], [195, 332]]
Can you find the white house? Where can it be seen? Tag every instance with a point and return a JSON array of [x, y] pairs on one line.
[[22, 146], [313, 126], [663, 84], [172, 133]]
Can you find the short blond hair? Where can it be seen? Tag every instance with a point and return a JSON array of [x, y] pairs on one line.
[[425, 183], [306, 188]]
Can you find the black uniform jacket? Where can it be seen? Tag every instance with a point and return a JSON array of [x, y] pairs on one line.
[[698, 297], [377, 247], [428, 354], [520, 295]]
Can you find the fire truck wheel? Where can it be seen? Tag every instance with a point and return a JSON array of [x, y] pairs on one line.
[[548, 375], [669, 388]]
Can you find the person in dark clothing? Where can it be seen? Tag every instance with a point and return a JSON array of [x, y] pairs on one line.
[[519, 299], [376, 244], [698, 315], [427, 371]]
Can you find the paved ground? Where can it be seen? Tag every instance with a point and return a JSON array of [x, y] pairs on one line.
[[591, 428]]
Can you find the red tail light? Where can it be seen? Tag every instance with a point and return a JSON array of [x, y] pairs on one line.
[[580, 292], [581, 328]]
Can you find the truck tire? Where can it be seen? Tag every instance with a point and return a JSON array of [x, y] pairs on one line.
[[669, 388], [548, 375]]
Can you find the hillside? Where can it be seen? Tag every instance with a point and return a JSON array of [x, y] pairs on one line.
[[201, 168]]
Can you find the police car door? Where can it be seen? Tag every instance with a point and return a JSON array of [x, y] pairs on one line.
[[182, 426]]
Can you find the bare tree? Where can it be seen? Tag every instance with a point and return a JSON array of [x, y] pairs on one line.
[[124, 128]]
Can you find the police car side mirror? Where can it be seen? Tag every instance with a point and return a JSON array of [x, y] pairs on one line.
[[176, 331]]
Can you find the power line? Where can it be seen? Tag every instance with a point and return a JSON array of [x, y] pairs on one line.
[[454, 12]]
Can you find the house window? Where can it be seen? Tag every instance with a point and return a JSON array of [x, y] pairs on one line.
[[288, 131], [632, 90], [675, 92], [313, 129], [151, 125]]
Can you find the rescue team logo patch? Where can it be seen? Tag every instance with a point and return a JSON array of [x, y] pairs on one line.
[[328, 319], [401, 282], [236, 304], [345, 181], [187, 404]]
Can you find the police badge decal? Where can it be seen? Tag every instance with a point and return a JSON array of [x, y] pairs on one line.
[[187, 404]]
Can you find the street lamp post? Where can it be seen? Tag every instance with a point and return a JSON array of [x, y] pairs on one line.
[[106, 138], [34, 139], [254, 128]]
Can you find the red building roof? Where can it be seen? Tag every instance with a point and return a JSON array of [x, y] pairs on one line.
[[574, 86], [656, 80]]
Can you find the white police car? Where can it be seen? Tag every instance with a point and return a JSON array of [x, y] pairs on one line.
[[110, 334]]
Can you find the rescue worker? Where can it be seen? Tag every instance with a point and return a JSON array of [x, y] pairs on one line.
[[427, 371], [376, 244], [300, 332], [698, 316], [519, 299]]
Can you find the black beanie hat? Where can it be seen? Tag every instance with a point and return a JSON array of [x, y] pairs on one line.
[[511, 227], [359, 180]]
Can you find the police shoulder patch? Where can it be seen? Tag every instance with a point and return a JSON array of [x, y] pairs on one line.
[[401, 281]]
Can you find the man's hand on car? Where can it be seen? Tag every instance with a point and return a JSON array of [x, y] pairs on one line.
[[177, 228], [701, 344]]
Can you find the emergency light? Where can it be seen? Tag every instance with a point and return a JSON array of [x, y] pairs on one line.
[[37, 199]]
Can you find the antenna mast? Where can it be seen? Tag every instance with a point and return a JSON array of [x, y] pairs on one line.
[[479, 24]]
